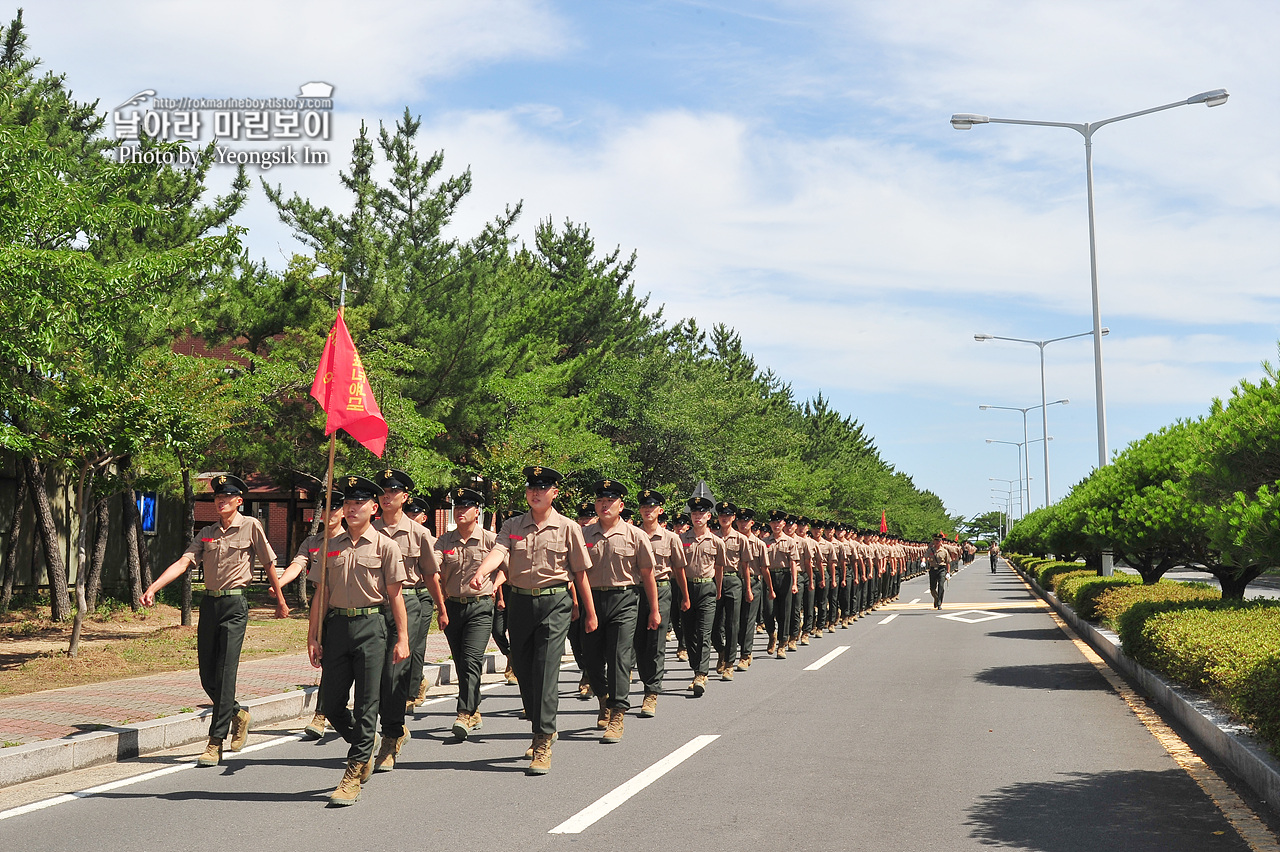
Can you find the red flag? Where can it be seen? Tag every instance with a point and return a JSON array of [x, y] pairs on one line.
[[343, 391], [884, 523]]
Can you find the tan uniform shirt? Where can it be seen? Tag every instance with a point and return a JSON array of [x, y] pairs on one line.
[[781, 553], [359, 571], [668, 553], [827, 552], [810, 559], [757, 564], [618, 556], [702, 555], [225, 554], [417, 549], [459, 560], [736, 552], [537, 557], [308, 555]]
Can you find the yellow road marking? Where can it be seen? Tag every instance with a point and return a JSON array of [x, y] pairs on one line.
[[1240, 815]]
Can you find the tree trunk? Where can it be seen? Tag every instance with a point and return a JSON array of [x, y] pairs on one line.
[[189, 500], [144, 551], [60, 603], [127, 521], [81, 560], [1235, 581], [101, 529], [15, 532]]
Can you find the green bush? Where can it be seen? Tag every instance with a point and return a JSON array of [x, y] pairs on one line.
[[1048, 573], [1229, 649], [1112, 603], [1081, 592]]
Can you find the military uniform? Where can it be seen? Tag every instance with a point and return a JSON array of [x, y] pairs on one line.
[[704, 570], [756, 579], [226, 556], [724, 627], [470, 610], [651, 645]]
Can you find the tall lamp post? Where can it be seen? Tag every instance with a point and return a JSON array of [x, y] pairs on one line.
[[966, 121], [1044, 405], [1025, 442]]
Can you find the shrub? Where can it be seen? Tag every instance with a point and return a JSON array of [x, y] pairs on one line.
[[1081, 592], [1112, 603], [1048, 573], [1229, 649]]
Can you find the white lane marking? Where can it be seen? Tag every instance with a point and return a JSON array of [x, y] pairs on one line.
[[602, 806], [916, 601], [822, 661], [188, 763], [890, 618]]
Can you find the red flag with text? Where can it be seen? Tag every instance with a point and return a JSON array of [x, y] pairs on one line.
[[343, 391], [884, 522]]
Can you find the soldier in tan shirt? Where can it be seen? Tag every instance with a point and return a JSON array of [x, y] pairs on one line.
[[347, 637], [469, 611], [756, 584], [734, 590], [539, 554], [225, 551], [704, 572], [622, 563], [783, 560], [420, 588], [673, 595]]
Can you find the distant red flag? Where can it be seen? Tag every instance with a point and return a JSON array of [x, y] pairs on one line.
[[884, 523], [343, 391]]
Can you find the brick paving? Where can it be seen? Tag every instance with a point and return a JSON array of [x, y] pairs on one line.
[[58, 713]]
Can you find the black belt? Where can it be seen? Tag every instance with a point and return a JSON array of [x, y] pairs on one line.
[[609, 589]]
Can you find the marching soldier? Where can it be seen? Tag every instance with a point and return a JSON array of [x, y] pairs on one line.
[[468, 611], [308, 559], [734, 590], [669, 562], [363, 575], [586, 518], [540, 553], [225, 550], [757, 581], [422, 576], [622, 563], [704, 573]]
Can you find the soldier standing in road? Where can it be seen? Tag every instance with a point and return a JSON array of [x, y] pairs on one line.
[[622, 563], [586, 518], [680, 526], [540, 553], [939, 562], [704, 572], [468, 611], [734, 590], [754, 587], [422, 576], [363, 575], [782, 554], [668, 555], [225, 550]]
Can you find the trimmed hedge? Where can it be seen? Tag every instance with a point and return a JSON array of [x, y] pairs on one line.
[[1112, 603], [1081, 592], [1047, 574], [1229, 649]]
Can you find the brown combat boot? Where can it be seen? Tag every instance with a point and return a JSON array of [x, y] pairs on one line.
[[699, 685], [422, 692], [743, 664], [584, 689], [462, 725], [602, 718], [682, 656], [541, 763], [804, 639], [348, 792], [212, 755], [649, 707], [239, 730], [510, 675], [387, 754], [782, 652], [476, 722], [773, 644], [613, 733], [315, 728], [791, 644], [529, 751], [727, 673]]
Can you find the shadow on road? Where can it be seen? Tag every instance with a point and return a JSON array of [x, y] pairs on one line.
[[1086, 812], [1046, 676], [1038, 633]]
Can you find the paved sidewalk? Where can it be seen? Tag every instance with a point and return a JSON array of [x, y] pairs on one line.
[[56, 713]]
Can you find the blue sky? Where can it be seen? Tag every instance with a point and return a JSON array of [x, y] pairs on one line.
[[788, 168]]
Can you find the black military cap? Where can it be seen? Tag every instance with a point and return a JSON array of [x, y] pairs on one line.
[[609, 488], [625, 514], [777, 515], [541, 477], [226, 483], [358, 488], [507, 515], [683, 518], [466, 497], [746, 514], [699, 504], [662, 517], [417, 506], [586, 509], [724, 507], [803, 521], [335, 498], [649, 497], [394, 480], [793, 519], [713, 524]]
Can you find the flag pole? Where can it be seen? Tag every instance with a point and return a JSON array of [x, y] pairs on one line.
[[323, 597]]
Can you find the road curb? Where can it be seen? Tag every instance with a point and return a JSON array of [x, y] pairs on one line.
[[53, 757], [1232, 743]]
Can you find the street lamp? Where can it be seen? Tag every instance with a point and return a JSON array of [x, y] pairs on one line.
[[966, 121], [1044, 405], [1024, 434]]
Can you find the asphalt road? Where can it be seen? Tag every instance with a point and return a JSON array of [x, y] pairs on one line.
[[976, 727]]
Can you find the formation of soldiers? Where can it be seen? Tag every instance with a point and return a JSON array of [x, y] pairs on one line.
[[614, 585]]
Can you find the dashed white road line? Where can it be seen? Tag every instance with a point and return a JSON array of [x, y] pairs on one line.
[[602, 806], [887, 620], [822, 661]]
